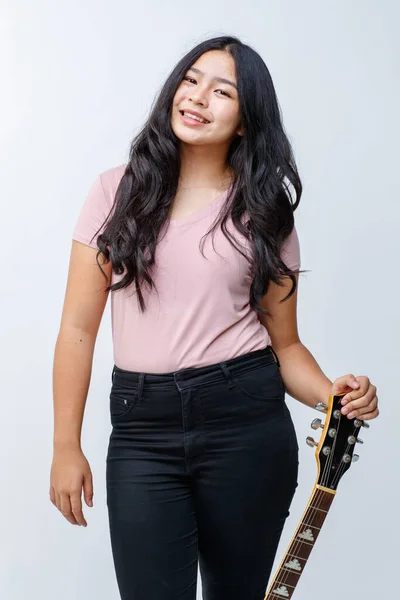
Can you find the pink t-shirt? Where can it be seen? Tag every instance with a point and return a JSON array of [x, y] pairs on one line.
[[201, 314]]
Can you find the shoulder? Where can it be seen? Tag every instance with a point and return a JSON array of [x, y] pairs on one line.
[[98, 205], [290, 252], [110, 180]]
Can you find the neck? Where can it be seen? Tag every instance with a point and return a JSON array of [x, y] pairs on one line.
[[204, 166]]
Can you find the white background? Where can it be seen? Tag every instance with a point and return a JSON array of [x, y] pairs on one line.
[[78, 79]]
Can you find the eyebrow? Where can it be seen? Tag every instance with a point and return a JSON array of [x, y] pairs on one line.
[[219, 79]]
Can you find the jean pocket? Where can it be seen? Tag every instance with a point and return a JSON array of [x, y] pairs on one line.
[[263, 383], [122, 401]]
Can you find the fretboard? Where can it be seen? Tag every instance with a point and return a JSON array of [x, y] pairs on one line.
[[295, 559]]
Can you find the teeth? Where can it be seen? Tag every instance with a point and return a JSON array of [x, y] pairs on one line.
[[194, 117]]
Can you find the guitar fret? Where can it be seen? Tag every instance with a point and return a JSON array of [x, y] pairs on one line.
[[291, 571], [284, 583], [316, 508], [295, 556], [304, 542], [301, 546], [313, 526]]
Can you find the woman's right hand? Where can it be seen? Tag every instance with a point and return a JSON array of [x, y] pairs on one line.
[[70, 472]]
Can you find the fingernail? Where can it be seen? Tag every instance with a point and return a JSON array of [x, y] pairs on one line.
[[345, 411], [351, 415]]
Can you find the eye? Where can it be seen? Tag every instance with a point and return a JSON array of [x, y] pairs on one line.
[[223, 91], [189, 79]]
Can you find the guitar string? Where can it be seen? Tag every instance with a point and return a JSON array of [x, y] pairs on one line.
[[324, 481], [310, 514], [296, 545], [340, 470], [337, 476]]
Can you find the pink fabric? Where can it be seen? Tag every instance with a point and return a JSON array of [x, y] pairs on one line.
[[201, 314]]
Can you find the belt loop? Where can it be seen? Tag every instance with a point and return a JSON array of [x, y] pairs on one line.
[[276, 356], [227, 374], [112, 374], [140, 386]]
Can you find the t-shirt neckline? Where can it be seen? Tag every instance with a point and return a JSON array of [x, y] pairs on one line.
[[200, 213]]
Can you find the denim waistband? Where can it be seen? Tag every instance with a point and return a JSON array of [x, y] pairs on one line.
[[195, 375]]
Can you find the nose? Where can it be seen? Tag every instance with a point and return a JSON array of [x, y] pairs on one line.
[[198, 97]]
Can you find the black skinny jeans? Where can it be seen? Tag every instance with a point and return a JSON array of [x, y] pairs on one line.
[[201, 469]]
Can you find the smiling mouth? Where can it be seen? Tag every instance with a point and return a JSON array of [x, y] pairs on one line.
[[194, 117]]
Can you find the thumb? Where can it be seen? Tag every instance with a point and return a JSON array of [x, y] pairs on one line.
[[88, 489], [342, 384]]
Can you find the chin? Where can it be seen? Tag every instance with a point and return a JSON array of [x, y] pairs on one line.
[[186, 136]]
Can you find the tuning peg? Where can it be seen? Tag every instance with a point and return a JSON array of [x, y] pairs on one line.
[[355, 457], [316, 424], [311, 442], [359, 441], [359, 423], [321, 407]]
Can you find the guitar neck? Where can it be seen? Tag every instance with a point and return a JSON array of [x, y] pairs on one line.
[[295, 559]]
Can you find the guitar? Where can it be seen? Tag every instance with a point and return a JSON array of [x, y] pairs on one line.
[[334, 454]]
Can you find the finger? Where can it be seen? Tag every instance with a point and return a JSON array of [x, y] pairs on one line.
[[371, 415], [59, 504], [52, 494], [371, 406], [76, 507], [352, 396], [66, 508], [365, 385], [358, 403], [341, 384], [362, 410], [88, 489]]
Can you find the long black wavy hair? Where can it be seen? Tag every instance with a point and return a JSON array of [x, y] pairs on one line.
[[261, 162]]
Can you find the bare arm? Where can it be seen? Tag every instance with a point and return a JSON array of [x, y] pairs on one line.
[[301, 374], [84, 303]]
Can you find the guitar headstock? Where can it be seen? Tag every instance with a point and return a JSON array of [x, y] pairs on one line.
[[335, 450]]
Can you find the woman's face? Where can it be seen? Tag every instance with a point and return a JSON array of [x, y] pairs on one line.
[[206, 90]]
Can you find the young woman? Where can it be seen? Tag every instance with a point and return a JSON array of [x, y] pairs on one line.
[[194, 237]]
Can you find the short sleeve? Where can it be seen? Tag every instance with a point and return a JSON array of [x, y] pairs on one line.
[[290, 252], [92, 215]]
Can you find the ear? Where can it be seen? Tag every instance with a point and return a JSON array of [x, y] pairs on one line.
[[240, 131]]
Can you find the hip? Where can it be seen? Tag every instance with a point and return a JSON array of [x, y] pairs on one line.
[[244, 396]]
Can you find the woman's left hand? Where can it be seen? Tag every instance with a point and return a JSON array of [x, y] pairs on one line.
[[360, 400]]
